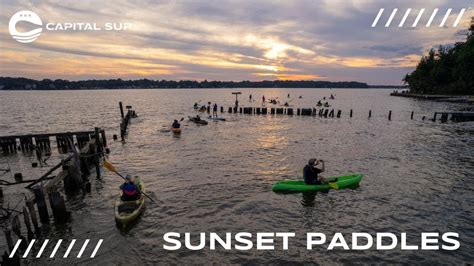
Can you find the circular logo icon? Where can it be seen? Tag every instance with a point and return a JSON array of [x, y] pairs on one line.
[[28, 16]]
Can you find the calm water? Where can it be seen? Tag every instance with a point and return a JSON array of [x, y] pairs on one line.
[[218, 178]]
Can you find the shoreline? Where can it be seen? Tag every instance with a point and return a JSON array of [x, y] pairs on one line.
[[435, 97]]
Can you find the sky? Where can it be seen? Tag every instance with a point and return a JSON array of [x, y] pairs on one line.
[[229, 40]]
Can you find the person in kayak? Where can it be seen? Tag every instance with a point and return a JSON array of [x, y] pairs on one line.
[[197, 118], [214, 110], [310, 172], [130, 190], [176, 124]]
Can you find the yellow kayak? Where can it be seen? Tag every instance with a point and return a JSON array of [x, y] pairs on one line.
[[127, 211], [176, 130]]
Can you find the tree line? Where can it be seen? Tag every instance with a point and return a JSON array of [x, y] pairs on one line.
[[446, 70], [9, 83]]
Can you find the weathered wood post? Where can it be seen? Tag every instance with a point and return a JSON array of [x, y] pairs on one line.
[[289, 111], [350, 114], [58, 206], [298, 111], [326, 113], [230, 110], [121, 110], [41, 204], [411, 116], [264, 110], [390, 115], [26, 219], [339, 113], [423, 118], [331, 114], [272, 111], [222, 109], [370, 113], [444, 117], [32, 211], [8, 236]]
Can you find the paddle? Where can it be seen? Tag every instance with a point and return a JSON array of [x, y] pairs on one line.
[[111, 168]]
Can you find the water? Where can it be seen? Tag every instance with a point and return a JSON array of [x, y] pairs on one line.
[[218, 178]]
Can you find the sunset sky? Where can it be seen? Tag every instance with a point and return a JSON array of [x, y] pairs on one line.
[[229, 40]]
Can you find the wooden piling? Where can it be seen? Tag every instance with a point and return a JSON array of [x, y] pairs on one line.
[[8, 237], [289, 111], [390, 115], [121, 110], [298, 111], [58, 206], [26, 219], [411, 116], [230, 110], [272, 111], [41, 205], [370, 113], [264, 110], [423, 118], [350, 114], [339, 113], [32, 211], [331, 114], [222, 109]]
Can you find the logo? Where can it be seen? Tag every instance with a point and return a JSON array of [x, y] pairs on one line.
[[66, 26], [28, 16], [418, 17]]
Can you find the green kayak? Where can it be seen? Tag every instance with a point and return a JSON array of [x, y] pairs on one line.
[[346, 181]]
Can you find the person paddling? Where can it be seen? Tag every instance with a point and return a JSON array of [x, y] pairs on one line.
[[311, 172], [176, 124], [130, 190]]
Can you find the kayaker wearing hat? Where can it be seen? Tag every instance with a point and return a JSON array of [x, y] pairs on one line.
[[311, 172], [130, 191]]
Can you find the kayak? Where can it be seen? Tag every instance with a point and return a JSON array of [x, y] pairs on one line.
[[176, 130], [200, 121], [216, 118], [127, 211], [346, 181]]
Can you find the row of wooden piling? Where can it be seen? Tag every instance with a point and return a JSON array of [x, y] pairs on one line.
[[42, 142], [325, 112], [125, 119], [75, 170]]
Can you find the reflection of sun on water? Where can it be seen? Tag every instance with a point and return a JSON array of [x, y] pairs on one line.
[[273, 141]]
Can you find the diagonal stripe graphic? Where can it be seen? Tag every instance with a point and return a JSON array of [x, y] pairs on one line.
[[404, 18], [418, 17], [459, 17], [42, 248], [29, 248], [69, 248], [97, 248], [15, 248], [391, 17], [83, 248], [445, 17], [432, 17], [377, 17], [56, 248]]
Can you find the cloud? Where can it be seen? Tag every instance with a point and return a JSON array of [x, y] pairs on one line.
[[229, 39]]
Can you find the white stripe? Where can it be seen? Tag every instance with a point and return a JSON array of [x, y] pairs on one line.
[[459, 17], [391, 17], [432, 17], [56, 248], [83, 248], [42, 248], [69, 248], [15, 248], [445, 17], [29, 248], [377, 18], [404, 18], [97, 248], [418, 17]]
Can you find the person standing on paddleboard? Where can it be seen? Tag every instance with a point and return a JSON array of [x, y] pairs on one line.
[[214, 110], [311, 172]]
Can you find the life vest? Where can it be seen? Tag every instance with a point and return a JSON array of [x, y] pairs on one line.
[[129, 189]]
